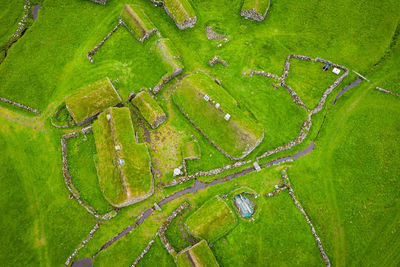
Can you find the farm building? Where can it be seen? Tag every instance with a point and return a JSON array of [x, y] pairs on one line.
[[101, 2], [123, 166], [181, 12], [244, 206], [190, 150], [170, 58], [212, 220], [149, 109], [216, 115], [198, 255], [137, 22], [255, 9], [90, 100]]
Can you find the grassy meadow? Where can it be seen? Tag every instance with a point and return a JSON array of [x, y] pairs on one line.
[[347, 185]]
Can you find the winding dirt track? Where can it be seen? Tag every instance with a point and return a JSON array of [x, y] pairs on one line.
[[200, 186]]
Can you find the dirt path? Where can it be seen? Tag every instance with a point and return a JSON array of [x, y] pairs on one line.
[[353, 84], [35, 11], [197, 187]]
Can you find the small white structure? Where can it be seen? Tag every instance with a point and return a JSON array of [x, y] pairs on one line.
[[117, 147], [227, 116], [121, 162], [206, 98], [177, 172], [256, 166], [217, 105], [108, 117], [336, 71]]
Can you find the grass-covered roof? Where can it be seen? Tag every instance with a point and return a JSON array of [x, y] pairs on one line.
[[92, 99], [237, 136], [131, 181], [148, 107], [137, 22]]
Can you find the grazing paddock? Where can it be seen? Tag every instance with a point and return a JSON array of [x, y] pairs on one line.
[[212, 220], [309, 80], [92, 99], [123, 166], [137, 22], [150, 110], [199, 254], [236, 136]]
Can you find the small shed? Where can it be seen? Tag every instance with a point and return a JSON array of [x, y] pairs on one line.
[[244, 206]]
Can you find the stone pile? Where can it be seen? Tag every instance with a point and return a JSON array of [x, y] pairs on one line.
[[276, 192], [212, 35], [299, 207], [217, 59], [163, 228], [97, 47], [18, 105], [144, 252], [101, 2], [83, 244]]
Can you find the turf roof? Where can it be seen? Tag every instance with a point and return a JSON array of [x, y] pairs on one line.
[[92, 99]]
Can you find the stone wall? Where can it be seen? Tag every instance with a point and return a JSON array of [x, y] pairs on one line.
[[163, 228], [387, 91], [186, 178], [83, 244], [299, 207], [18, 105], [68, 179], [296, 99], [164, 79], [92, 52], [101, 2], [144, 252], [55, 117]]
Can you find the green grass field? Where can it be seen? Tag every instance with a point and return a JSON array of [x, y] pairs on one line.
[[347, 185], [200, 254]]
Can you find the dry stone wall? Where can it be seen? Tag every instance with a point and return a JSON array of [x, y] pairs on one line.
[[387, 91], [164, 79], [68, 180], [296, 99], [187, 23], [144, 252], [18, 105], [83, 244], [101, 2], [163, 228], [97, 47], [299, 207]]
